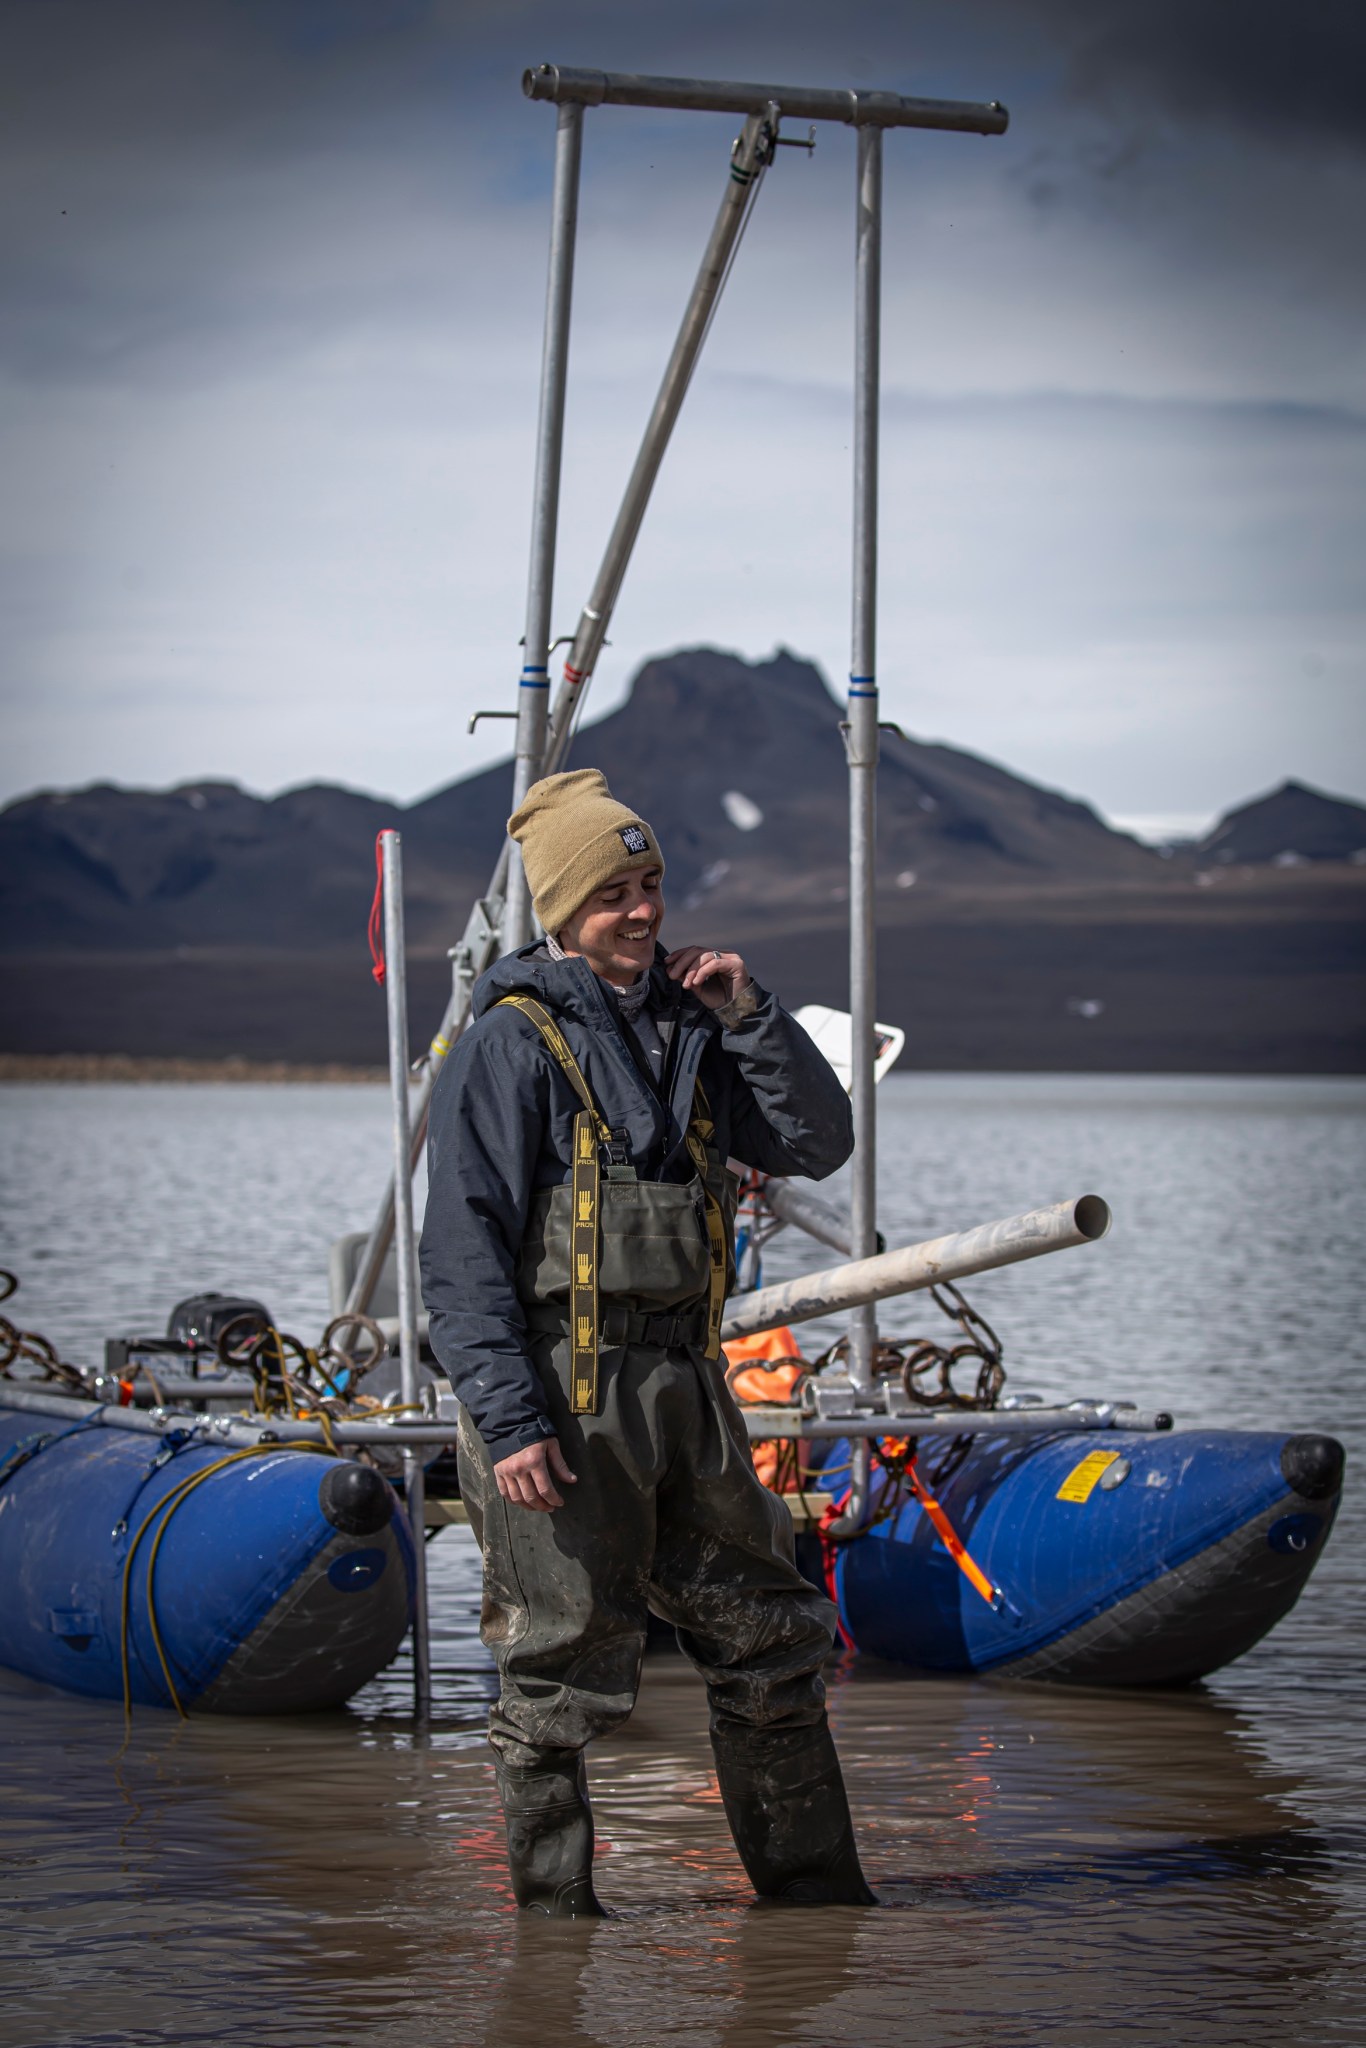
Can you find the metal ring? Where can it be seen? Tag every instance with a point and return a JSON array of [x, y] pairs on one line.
[[239, 1340], [367, 1327]]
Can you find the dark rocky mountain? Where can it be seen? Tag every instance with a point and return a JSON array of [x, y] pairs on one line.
[[205, 864], [1292, 824], [739, 767], [1017, 930]]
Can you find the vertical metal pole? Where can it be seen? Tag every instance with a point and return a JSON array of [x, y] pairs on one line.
[[396, 992], [534, 693], [863, 728], [477, 950], [862, 742]]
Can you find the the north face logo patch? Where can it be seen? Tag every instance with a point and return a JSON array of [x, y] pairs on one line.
[[634, 840]]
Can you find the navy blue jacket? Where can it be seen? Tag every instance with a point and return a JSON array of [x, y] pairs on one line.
[[502, 1121]]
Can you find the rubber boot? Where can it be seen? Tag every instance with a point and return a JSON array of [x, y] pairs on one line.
[[785, 1801], [550, 1834]]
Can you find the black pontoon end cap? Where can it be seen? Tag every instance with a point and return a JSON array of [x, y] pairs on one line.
[[355, 1499], [1312, 1465]]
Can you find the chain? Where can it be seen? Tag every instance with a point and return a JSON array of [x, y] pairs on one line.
[[926, 1368], [309, 1383], [16, 1344], [303, 1380]]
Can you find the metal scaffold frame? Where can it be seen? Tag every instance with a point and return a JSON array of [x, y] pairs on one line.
[[501, 919]]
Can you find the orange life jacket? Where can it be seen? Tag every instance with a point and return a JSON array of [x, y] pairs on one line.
[[768, 1368]]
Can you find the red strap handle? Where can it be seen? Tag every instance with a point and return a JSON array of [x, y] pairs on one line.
[[375, 928]]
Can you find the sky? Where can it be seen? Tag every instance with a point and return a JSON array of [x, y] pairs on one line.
[[269, 358]]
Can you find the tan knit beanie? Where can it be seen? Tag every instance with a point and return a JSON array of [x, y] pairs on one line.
[[574, 837]]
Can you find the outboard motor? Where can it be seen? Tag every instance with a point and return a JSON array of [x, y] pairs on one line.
[[192, 1333], [199, 1321]]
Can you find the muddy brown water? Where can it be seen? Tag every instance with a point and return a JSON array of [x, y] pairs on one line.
[[1061, 1867]]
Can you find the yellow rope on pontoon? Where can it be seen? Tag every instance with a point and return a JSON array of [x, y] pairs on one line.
[[167, 1506]]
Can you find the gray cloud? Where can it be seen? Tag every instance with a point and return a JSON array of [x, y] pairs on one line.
[[270, 347], [1278, 72]]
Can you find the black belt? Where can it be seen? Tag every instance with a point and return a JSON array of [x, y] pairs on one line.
[[673, 1330]]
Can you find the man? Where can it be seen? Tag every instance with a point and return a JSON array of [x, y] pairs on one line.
[[575, 1257]]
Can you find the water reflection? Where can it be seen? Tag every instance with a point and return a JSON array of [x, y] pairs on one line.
[[1089, 1862]]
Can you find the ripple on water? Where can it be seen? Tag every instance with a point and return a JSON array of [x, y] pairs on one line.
[[1064, 1867]]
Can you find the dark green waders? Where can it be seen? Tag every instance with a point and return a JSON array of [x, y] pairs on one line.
[[667, 1516]]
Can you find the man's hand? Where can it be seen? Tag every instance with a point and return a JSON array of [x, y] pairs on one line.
[[715, 978], [527, 1478]]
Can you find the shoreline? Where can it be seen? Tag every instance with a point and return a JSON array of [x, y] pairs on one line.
[[92, 1069], [89, 1068]]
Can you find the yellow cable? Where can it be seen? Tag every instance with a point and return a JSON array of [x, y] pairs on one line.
[[167, 1506]]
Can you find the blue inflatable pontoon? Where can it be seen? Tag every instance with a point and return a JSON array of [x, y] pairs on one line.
[[1134, 1559], [275, 1581]]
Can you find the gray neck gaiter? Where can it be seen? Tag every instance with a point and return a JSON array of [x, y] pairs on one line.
[[630, 1000]]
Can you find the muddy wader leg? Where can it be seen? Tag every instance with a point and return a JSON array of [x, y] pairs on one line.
[[758, 1633], [785, 1801], [564, 1613], [550, 1833], [666, 1511]]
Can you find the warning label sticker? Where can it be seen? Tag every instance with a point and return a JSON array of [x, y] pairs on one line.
[[1081, 1481]]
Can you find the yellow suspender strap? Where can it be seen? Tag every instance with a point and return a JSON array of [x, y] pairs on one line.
[[700, 1132], [559, 1047], [589, 1131], [583, 1271]]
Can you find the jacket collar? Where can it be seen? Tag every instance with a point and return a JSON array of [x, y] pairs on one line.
[[571, 990]]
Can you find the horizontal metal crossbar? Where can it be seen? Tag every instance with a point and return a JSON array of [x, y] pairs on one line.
[[230, 1429], [764, 1423], [761, 1422], [563, 83]]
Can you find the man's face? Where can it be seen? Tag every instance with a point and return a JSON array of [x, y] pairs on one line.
[[616, 929]]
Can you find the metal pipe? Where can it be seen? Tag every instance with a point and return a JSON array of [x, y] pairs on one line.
[[534, 689], [917, 1266], [863, 733], [396, 995], [764, 1424], [862, 747], [748, 160], [761, 1422], [792, 1203], [478, 949], [562, 82], [229, 1429], [858, 1500]]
